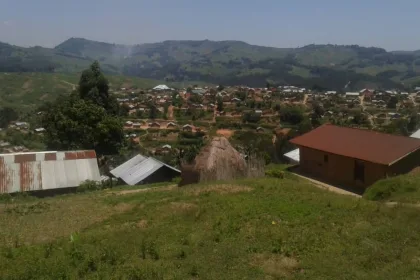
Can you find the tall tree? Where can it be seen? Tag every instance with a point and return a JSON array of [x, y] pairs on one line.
[[94, 86], [86, 119]]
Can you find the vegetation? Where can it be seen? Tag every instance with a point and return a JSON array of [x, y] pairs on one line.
[[249, 229], [226, 62], [404, 188], [87, 119]]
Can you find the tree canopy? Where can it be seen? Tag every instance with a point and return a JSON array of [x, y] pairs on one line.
[[86, 119]]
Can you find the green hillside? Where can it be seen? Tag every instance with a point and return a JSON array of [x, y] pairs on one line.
[[225, 62], [246, 229], [26, 90]]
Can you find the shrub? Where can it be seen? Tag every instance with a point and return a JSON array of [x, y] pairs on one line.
[[403, 187], [275, 173], [89, 186], [176, 180]]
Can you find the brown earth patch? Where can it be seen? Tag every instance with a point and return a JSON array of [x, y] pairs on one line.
[[142, 224], [27, 84], [225, 132], [275, 265], [183, 206]]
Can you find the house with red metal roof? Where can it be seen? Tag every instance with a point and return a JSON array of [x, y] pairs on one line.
[[355, 157]]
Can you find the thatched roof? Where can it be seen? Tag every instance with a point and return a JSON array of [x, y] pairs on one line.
[[217, 161], [219, 151]]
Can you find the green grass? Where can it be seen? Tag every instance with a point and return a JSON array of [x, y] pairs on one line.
[[247, 229], [405, 188]]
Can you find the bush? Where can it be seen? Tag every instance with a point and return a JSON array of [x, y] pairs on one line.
[[176, 180], [89, 186], [275, 173], [404, 188]]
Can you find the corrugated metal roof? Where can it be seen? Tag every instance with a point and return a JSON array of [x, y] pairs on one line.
[[361, 144], [46, 170], [138, 168], [117, 172], [416, 134], [293, 155]]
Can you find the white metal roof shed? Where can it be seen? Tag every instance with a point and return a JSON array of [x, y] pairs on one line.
[[293, 155], [139, 168]]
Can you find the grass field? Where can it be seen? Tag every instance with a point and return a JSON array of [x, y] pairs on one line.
[[247, 229], [405, 189]]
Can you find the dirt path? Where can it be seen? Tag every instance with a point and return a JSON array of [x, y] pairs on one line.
[[73, 85], [305, 99], [170, 114]]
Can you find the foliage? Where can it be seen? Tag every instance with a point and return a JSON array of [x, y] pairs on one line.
[[220, 104], [89, 186], [225, 62], [7, 115], [404, 188], [76, 122], [392, 103], [291, 114]]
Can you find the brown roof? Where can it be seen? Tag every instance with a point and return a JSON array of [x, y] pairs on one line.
[[361, 144]]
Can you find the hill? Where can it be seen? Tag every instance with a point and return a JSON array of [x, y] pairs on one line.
[[26, 90], [246, 229], [226, 62]]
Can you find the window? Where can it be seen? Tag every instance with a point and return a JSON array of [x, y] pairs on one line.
[[359, 171], [325, 158]]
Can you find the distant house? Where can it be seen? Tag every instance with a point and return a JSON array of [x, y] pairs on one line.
[[136, 125], [161, 87], [352, 94], [144, 170], [258, 112], [330, 92], [355, 157], [40, 130], [154, 124], [166, 148], [260, 129], [128, 124], [171, 125], [187, 127], [235, 100]]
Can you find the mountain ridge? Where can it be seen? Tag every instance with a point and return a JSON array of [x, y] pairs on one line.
[[227, 62]]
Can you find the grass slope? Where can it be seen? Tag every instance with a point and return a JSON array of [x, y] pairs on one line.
[[405, 188], [247, 229], [25, 91]]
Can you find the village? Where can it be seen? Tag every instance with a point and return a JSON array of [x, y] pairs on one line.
[[157, 118]]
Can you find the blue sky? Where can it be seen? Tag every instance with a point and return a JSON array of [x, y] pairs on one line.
[[391, 24]]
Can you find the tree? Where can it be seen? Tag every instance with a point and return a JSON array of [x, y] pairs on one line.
[[220, 88], [219, 104], [413, 123], [268, 85], [7, 115], [74, 123], [292, 114], [124, 110], [94, 86], [195, 99], [86, 119], [153, 111], [392, 103]]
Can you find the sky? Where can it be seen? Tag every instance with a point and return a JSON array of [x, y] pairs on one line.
[[390, 24]]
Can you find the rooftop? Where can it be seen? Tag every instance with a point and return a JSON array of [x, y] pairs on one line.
[[361, 144]]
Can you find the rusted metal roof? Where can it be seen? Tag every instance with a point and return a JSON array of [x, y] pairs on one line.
[[361, 144], [46, 170]]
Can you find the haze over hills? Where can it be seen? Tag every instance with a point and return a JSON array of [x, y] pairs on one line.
[[226, 62]]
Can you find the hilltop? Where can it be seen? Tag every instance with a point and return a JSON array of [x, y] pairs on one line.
[[226, 62], [246, 229]]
